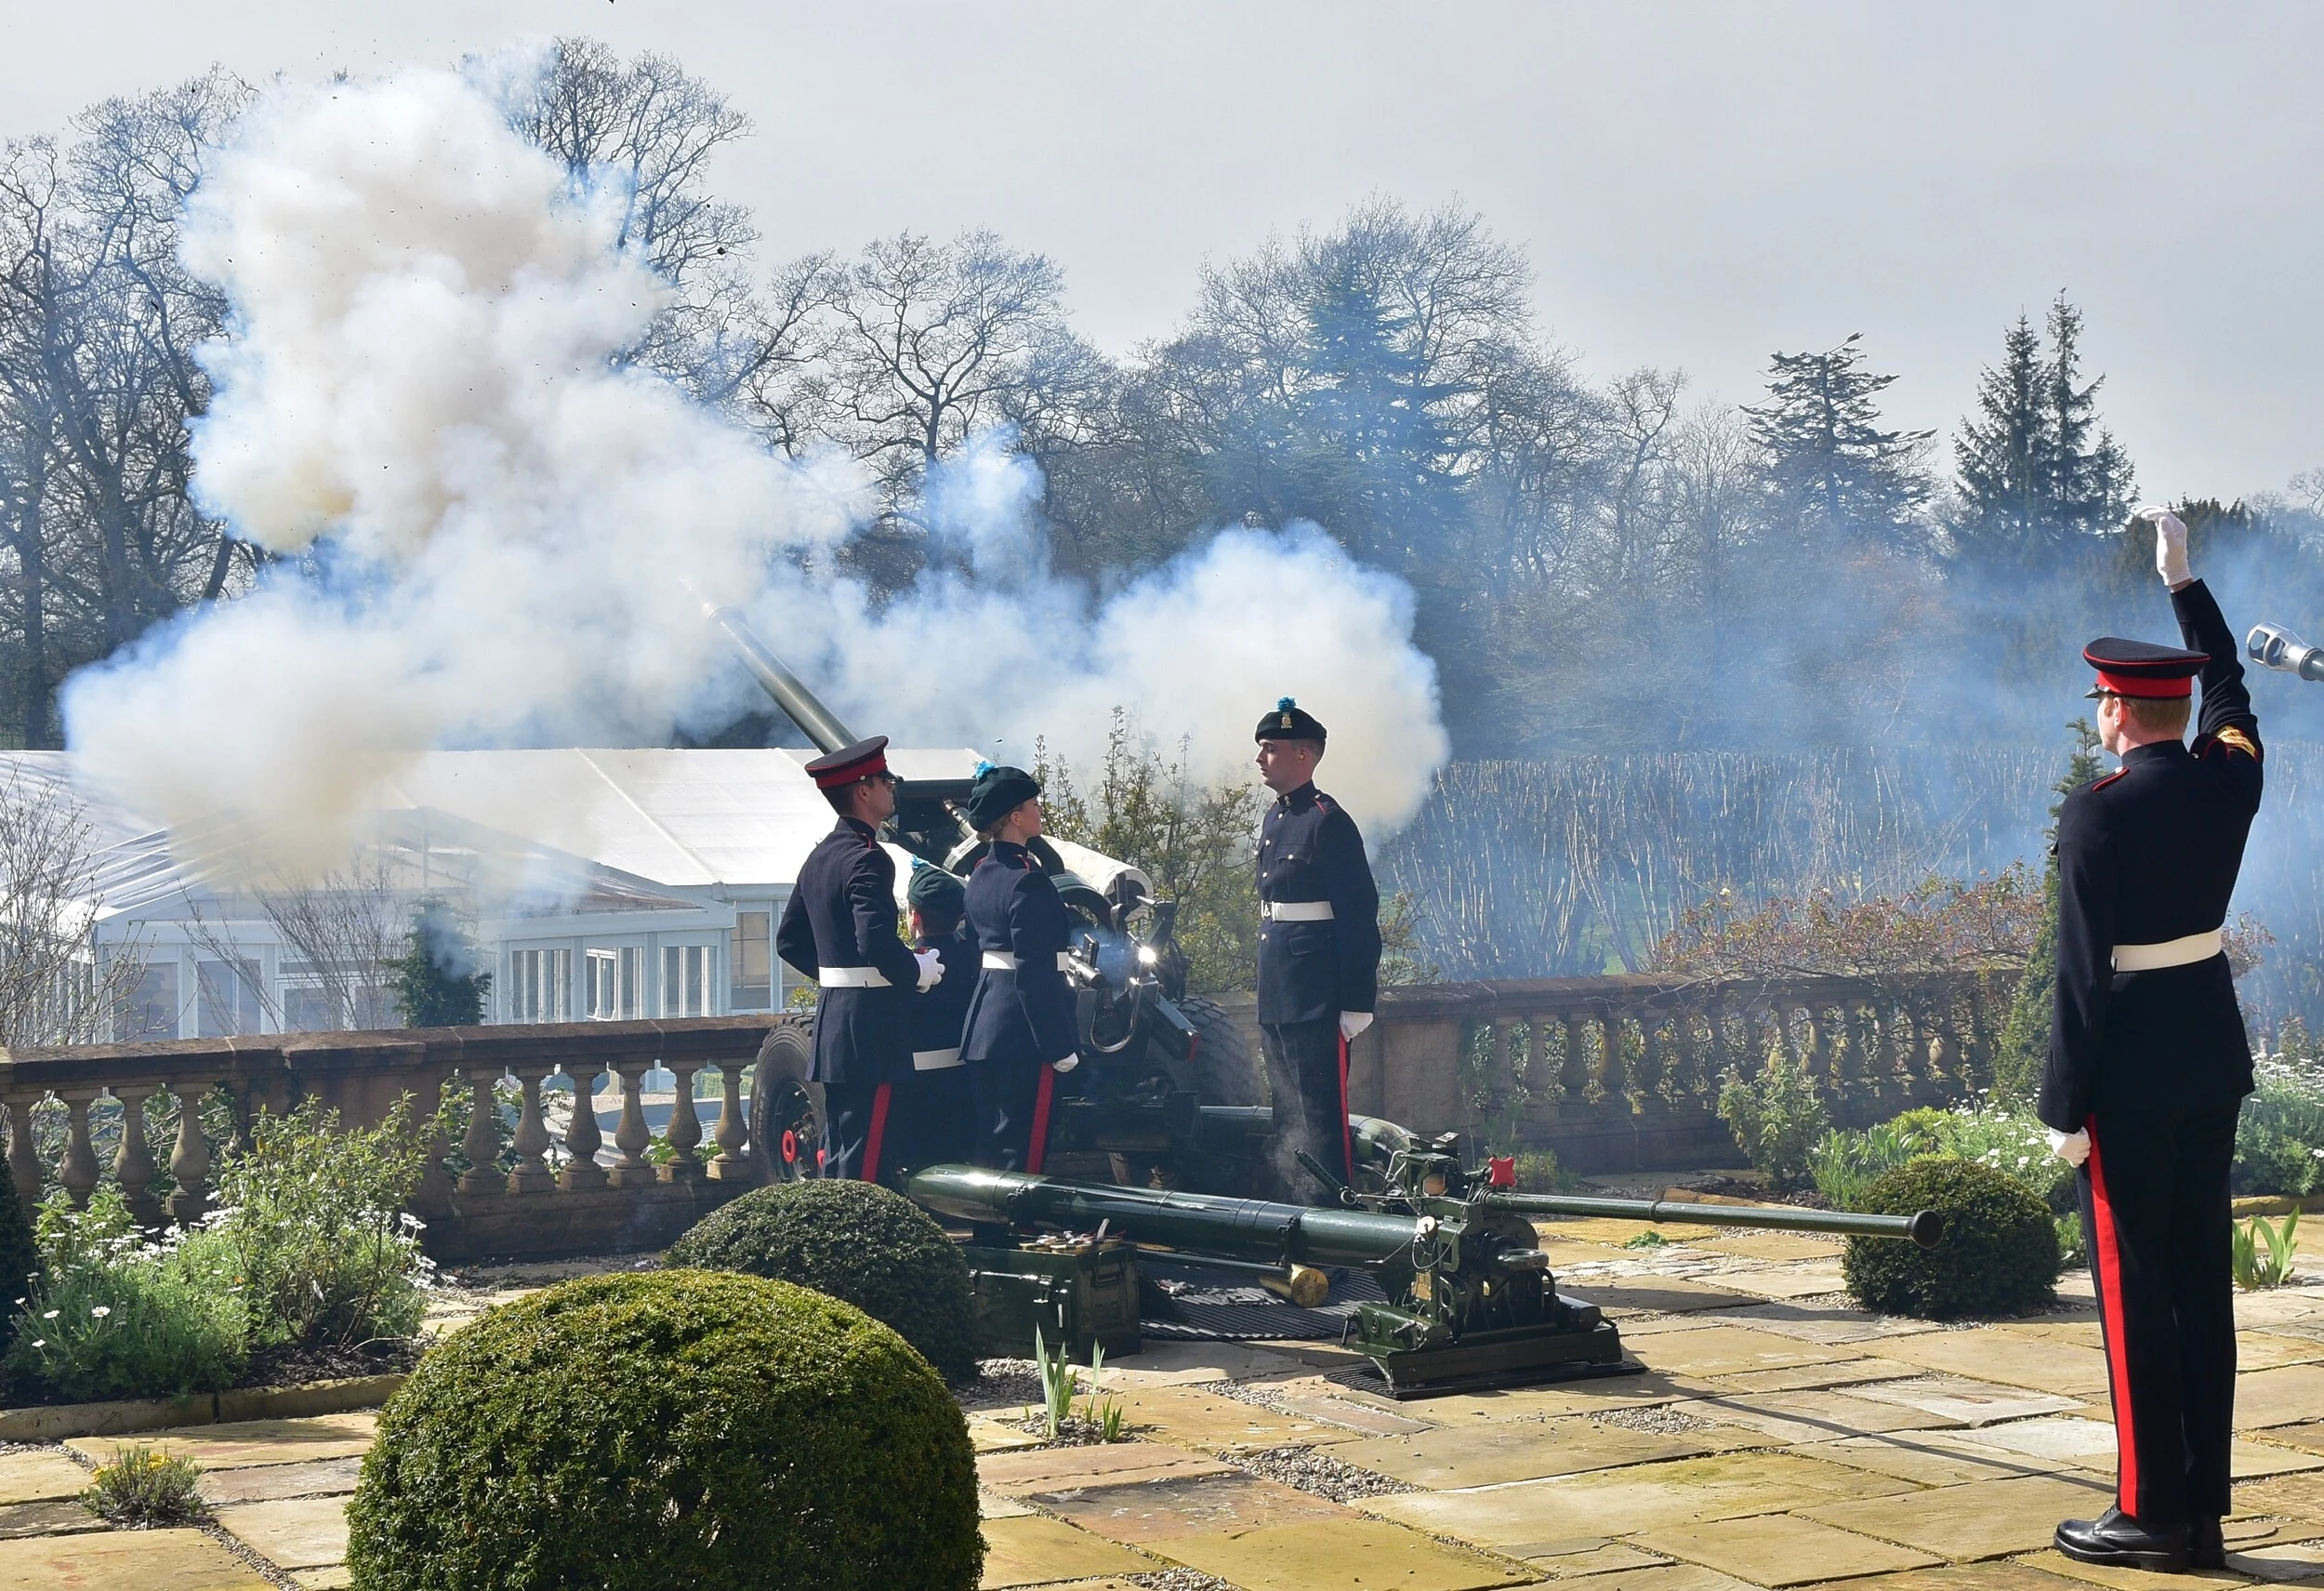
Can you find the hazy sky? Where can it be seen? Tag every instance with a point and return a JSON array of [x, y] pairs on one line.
[[1696, 185]]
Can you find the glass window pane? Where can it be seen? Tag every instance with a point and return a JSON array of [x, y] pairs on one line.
[[149, 1011], [750, 962]]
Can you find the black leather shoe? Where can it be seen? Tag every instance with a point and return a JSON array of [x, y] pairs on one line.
[[2206, 1547], [2117, 1539]]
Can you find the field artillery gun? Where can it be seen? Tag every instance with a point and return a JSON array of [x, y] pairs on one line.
[[2273, 646], [1468, 1298], [1168, 1088]]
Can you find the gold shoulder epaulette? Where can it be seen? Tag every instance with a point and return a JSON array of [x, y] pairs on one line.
[[2235, 739]]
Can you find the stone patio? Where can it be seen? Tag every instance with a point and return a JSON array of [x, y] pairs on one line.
[[1779, 1438]]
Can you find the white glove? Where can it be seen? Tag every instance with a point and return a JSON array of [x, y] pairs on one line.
[[1066, 1065], [2072, 1147], [931, 969], [1352, 1023], [2169, 545]]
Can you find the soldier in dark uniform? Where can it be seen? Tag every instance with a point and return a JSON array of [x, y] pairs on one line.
[[839, 929], [1021, 1028], [2148, 1065], [934, 1111], [1318, 948]]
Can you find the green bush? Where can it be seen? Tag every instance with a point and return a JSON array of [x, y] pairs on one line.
[[19, 1258], [2009, 1138], [116, 1315], [635, 1432], [1776, 1117], [2280, 1137], [309, 1219], [1999, 1254], [855, 1241]]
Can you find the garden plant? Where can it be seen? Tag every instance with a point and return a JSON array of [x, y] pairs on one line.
[[1999, 1255], [142, 1488], [679, 1428]]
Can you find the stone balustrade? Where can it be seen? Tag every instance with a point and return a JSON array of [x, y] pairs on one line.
[[536, 1208]]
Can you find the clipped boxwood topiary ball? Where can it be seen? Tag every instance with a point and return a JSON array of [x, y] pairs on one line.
[[854, 1240], [672, 1428], [1999, 1254]]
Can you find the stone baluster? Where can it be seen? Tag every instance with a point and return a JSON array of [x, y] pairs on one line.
[[1500, 1081], [633, 1170], [78, 1168], [1653, 1056], [1846, 1068], [1818, 1058], [1572, 1076], [1613, 1075], [1715, 1059], [23, 1157], [482, 1143], [190, 1157], [584, 1137], [133, 1162], [733, 1130], [684, 1131], [1980, 1045], [1780, 1044], [1538, 1056], [531, 1174]]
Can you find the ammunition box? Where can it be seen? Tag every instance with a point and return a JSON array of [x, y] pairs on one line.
[[1079, 1293]]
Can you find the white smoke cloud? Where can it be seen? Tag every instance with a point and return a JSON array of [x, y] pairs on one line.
[[502, 536]]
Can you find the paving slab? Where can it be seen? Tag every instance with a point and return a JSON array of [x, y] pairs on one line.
[[1232, 1504], [1993, 1574], [296, 1532], [997, 1436], [252, 1442], [1769, 1245], [337, 1577], [1601, 1230], [1786, 1281], [1364, 1555], [1732, 1350], [1677, 1577], [991, 1504], [147, 1561], [1831, 1323], [1814, 1377], [2040, 1363], [320, 1478], [2063, 1437], [1034, 1550], [2053, 1562], [1811, 1417], [2305, 1437], [2289, 1395], [1358, 1416], [1587, 1556], [1165, 1363], [1547, 1403], [1965, 1402], [39, 1476], [1102, 1464], [1489, 1455], [1651, 1294], [2290, 1496], [1193, 1418], [2283, 1561], [56, 1517], [2266, 1350], [1924, 1458], [1643, 1497], [1986, 1519], [1781, 1549]]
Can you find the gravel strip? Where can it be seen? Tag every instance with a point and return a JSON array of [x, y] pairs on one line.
[[1180, 1580], [1658, 1420], [1000, 1383], [1308, 1470]]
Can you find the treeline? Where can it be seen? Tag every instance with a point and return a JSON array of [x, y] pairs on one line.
[[1601, 565]]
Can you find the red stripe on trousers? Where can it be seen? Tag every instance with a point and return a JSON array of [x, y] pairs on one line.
[[1034, 1150], [878, 1130], [2109, 1257], [1347, 1133]]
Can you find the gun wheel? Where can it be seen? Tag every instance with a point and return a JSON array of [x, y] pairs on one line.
[[785, 1109]]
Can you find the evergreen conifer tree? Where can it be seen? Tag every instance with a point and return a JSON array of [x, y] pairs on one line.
[[436, 982], [1832, 470], [2025, 1044]]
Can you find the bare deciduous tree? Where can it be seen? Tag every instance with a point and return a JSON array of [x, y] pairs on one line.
[[54, 988]]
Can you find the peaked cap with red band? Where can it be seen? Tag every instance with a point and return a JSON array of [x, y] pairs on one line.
[[2142, 668], [860, 760]]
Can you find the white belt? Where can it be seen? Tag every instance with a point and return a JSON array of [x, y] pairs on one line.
[[1006, 960], [2170, 953], [935, 1060], [1296, 911], [852, 977]]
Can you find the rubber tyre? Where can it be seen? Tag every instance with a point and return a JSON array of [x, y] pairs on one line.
[[785, 1109], [1226, 1070]]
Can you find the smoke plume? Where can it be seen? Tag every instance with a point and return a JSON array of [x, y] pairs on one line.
[[492, 531]]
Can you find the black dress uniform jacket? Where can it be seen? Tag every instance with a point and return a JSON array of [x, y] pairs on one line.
[[842, 913], [2145, 855], [1027, 1014], [1309, 850], [939, 1015]]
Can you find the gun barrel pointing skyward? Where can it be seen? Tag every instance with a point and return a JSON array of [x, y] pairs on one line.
[[818, 722]]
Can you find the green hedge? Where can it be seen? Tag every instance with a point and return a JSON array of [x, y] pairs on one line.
[[638, 1432], [1999, 1254], [855, 1241]]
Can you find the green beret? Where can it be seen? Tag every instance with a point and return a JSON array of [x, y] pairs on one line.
[[934, 886], [998, 792]]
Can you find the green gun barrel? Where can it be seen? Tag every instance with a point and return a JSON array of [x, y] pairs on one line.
[[1237, 1228], [1924, 1227]]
